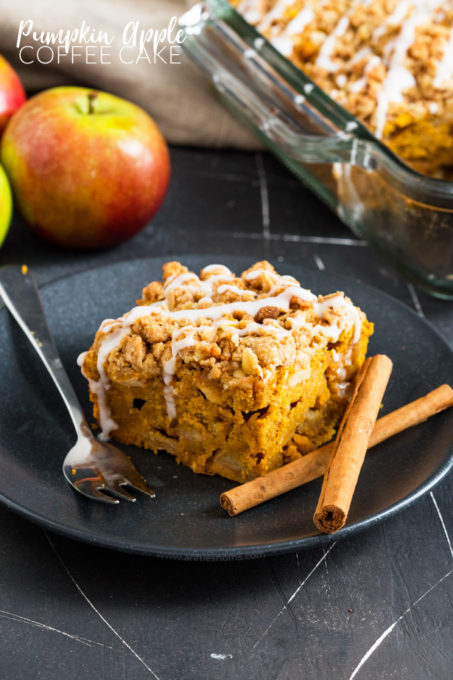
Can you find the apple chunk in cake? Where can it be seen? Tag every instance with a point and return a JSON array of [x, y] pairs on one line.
[[233, 375]]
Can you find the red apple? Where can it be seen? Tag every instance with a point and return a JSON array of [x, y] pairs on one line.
[[12, 94], [88, 169]]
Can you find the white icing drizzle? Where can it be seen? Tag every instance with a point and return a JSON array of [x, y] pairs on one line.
[[214, 267], [398, 78], [232, 289], [255, 273], [330, 303], [269, 328], [444, 70], [81, 359], [100, 387], [359, 84], [168, 371], [395, 19], [343, 388], [357, 325], [278, 280], [250, 10], [176, 281], [339, 301], [218, 314], [325, 53], [363, 52], [373, 61], [168, 368], [302, 19], [275, 13], [251, 307], [284, 40], [341, 373], [289, 279], [324, 59]]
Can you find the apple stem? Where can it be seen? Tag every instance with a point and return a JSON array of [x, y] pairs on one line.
[[92, 96]]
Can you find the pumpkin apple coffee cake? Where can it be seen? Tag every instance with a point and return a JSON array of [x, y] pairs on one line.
[[232, 375]]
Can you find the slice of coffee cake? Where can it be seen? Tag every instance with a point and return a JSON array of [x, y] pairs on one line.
[[232, 375]]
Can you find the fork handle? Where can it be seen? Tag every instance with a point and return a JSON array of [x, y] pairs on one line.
[[20, 295]]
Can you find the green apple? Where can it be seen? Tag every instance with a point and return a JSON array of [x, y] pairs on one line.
[[87, 169], [6, 205]]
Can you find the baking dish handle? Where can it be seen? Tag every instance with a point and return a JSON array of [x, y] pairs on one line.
[[339, 147]]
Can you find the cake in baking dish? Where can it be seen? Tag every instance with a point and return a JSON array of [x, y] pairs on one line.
[[388, 62], [232, 375]]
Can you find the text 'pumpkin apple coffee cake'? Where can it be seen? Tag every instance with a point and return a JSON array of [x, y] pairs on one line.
[[232, 375]]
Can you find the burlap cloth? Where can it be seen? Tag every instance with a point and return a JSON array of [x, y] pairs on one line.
[[178, 96]]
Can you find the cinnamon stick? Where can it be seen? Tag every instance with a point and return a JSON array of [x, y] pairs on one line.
[[351, 443], [314, 464]]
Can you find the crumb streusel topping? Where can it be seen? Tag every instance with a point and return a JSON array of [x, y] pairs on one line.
[[234, 327], [388, 62]]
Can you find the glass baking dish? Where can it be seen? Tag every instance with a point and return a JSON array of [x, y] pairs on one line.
[[406, 216]]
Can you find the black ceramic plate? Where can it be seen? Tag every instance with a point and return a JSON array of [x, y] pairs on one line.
[[184, 520]]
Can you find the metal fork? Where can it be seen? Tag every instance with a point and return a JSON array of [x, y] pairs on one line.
[[91, 467]]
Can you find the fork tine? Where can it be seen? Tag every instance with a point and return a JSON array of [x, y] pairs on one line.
[[116, 488], [91, 490], [138, 485], [132, 477]]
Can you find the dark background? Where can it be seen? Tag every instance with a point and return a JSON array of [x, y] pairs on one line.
[[373, 606]]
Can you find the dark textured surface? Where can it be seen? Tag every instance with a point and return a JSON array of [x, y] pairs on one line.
[[381, 598]]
